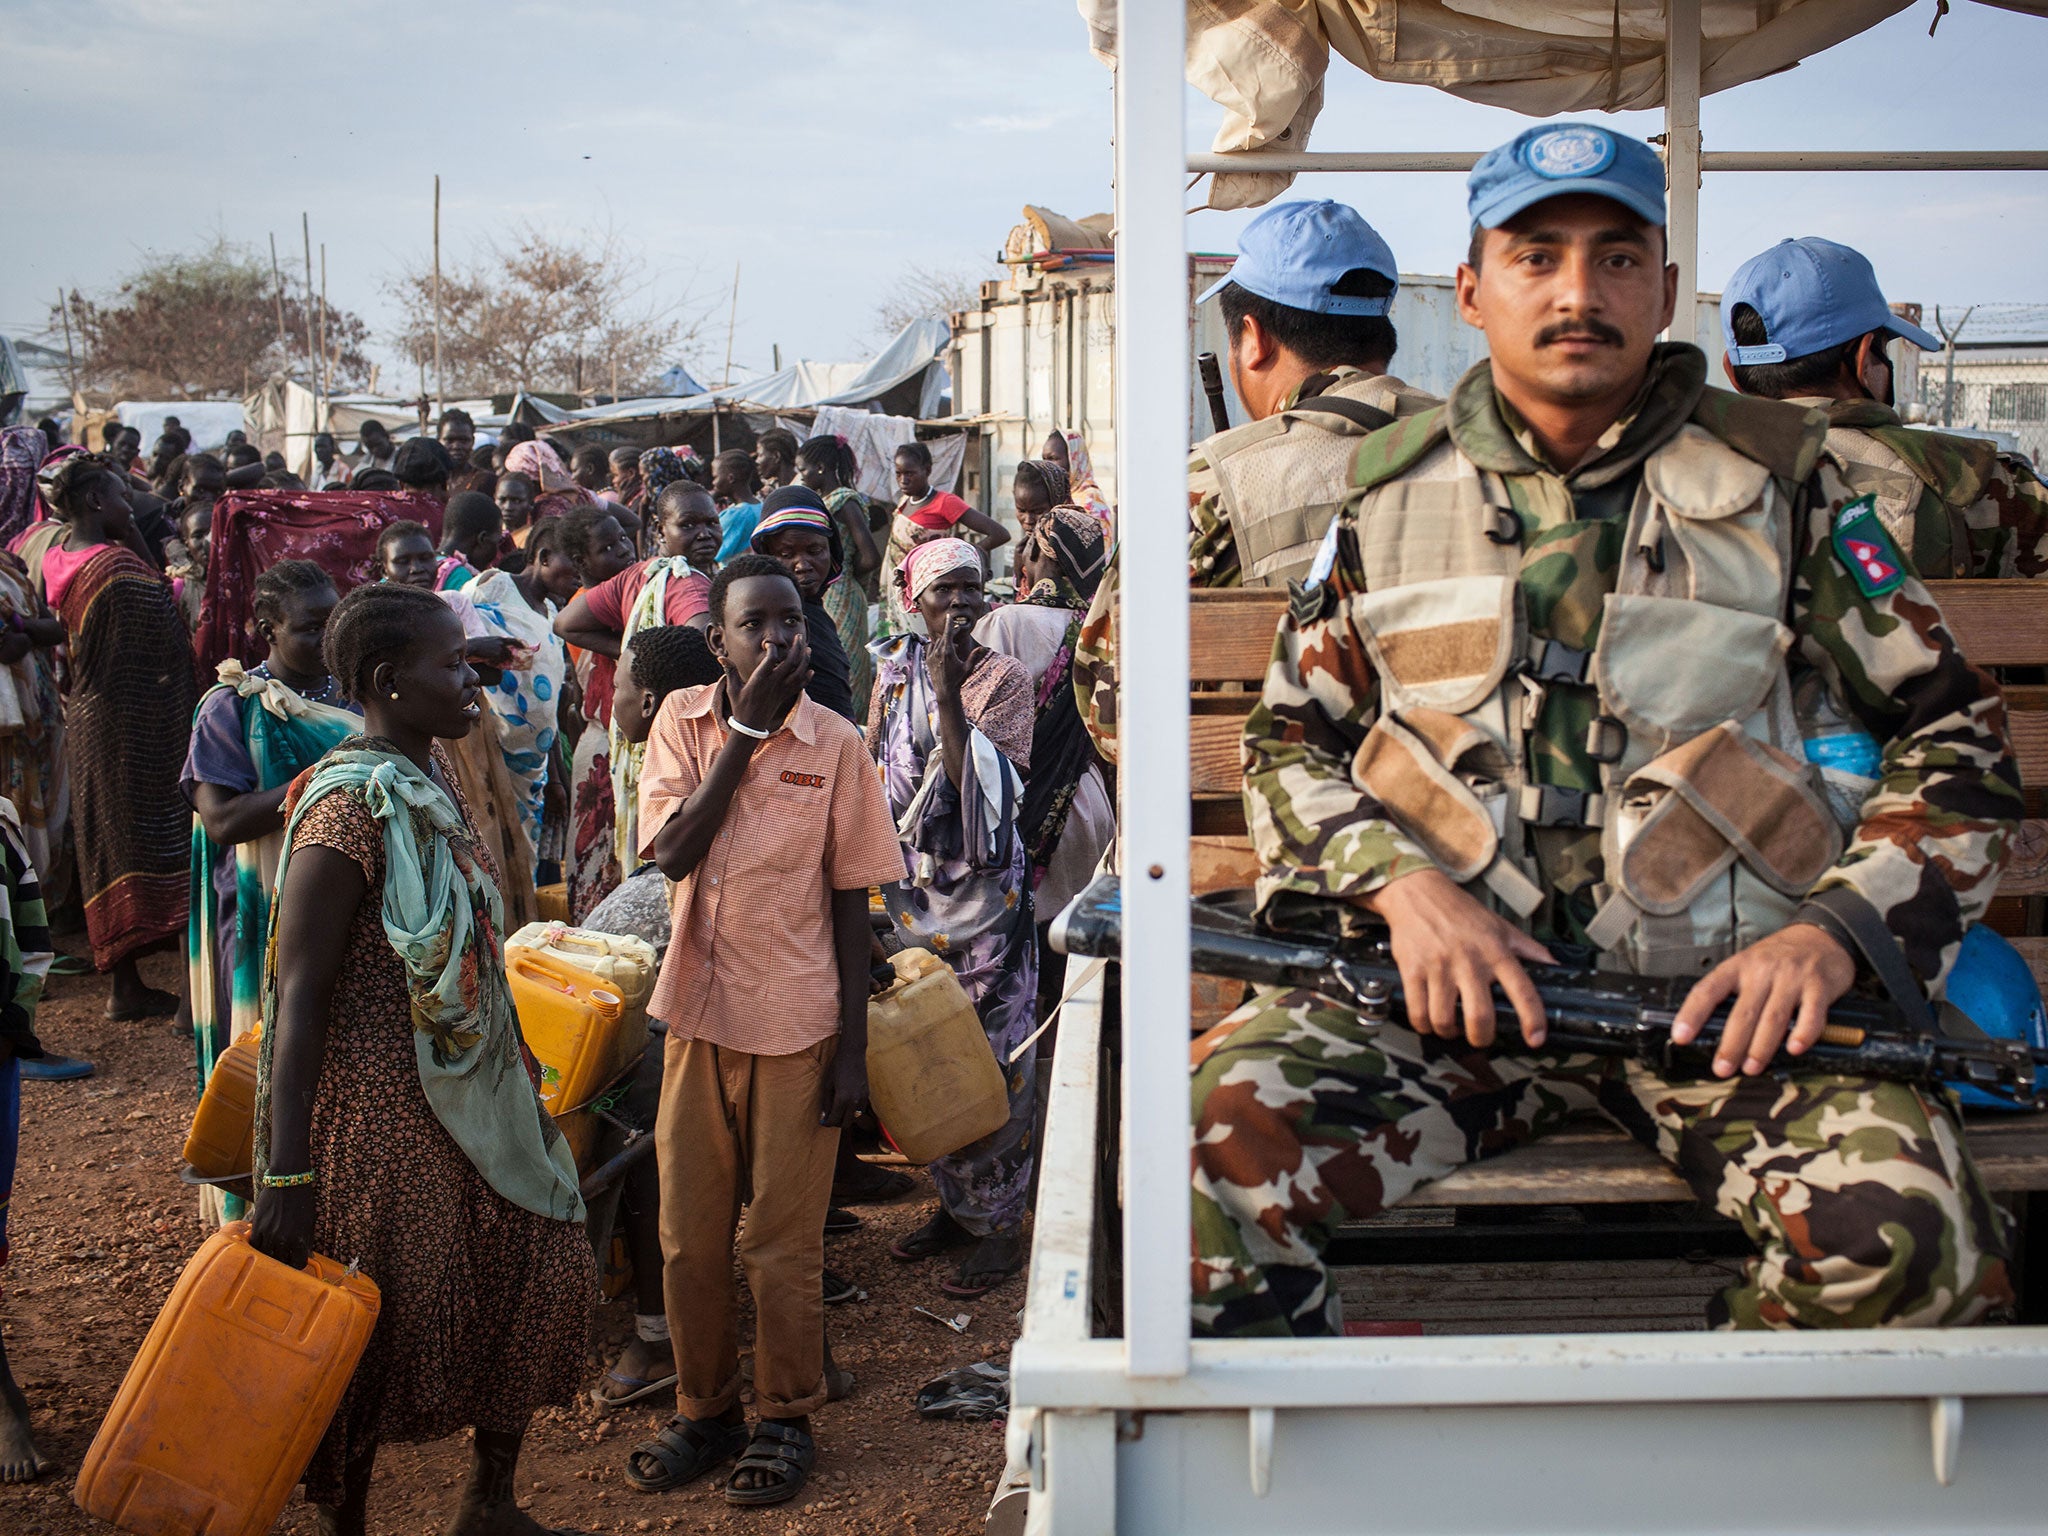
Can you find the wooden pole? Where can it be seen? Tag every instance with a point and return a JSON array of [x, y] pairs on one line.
[[277, 276], [440, 395], [70, 357], [731, 320], [312, 364], [326, 358]]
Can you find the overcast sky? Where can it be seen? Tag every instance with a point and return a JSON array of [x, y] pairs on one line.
[[824, 145]]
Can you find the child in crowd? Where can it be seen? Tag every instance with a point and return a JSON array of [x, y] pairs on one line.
[[796, 529], [470, 532], [764, 991]]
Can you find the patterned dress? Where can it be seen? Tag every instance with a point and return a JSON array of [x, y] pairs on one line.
[[486, 1306], [974, 909]]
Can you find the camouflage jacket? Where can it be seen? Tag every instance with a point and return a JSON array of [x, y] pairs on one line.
[[1934, 831], [1212, 546], [1955, 503]]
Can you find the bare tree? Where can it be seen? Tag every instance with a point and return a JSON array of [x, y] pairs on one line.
[[541, 312], [920, 291], [188, 327]]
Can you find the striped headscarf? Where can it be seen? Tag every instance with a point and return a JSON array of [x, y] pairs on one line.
[[798, 506]]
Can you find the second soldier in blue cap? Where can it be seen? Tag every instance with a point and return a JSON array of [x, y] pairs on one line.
[[1805, 321]]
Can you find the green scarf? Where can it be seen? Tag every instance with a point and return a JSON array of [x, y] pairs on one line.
[[285, 733], [442, 913]]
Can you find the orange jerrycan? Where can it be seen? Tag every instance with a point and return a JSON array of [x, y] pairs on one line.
[[222, 1142], [931, 1075], [575, 1026], [232, 1390]]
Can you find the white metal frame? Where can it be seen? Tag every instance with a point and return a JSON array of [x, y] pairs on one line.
[[1081, 1403]]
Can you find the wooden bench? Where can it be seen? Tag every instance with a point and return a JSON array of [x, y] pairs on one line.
[[2002, 625]]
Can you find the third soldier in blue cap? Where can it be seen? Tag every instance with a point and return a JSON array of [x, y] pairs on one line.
[[1306, 308], [1805, 321], [1568, 678]]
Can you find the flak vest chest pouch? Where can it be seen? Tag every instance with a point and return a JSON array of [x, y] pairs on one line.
[[230, 1393], [1711, 823]]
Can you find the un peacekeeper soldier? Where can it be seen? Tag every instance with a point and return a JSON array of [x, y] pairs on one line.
[[1305, 308], [1540, 691], [1806, 322]]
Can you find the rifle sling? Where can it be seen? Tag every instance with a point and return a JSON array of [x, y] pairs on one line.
[[1853, 921]]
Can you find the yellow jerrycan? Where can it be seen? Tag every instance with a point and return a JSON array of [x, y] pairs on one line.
[[620, 962], [230, 1393], [575, 1027], [932, 1077], [222, 1141]]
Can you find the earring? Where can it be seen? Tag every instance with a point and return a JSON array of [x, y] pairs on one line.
[[394, 698]]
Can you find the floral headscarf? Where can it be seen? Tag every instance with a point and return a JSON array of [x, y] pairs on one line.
[[661, 468], [926, 563], [539, 462], [1073, 540]]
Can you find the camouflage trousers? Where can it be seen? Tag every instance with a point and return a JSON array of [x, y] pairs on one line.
[[1858, 1193]]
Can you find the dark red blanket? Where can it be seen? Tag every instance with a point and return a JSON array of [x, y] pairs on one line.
[[253, 530]]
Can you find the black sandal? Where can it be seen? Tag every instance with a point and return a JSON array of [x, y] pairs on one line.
[[940, 1235], [872, 1185], [839, 1289], [838, 1223], [682, 1451], [787, 1454]]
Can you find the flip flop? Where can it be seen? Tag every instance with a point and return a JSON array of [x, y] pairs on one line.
[[838, 1223], [940, 1235], [838, 1288], [55, 1069], [72, 965], [156, 1004], [971, 1281], [636, 1391], [682, 1451], [788, 1454]]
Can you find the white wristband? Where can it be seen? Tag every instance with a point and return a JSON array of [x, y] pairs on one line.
[[747, 730]]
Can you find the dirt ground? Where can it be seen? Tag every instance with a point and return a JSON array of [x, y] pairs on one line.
[[101, 1226]]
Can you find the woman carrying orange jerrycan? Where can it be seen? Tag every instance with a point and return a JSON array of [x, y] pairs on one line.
[[398, 1123]]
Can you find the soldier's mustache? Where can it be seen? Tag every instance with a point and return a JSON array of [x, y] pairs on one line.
[[1580, 330]]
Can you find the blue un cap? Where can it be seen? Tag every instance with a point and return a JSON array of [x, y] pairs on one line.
[[1811, 294], [1561, 158], [1294, 253]]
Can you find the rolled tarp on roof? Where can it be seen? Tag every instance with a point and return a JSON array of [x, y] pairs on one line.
[[1264, 63]]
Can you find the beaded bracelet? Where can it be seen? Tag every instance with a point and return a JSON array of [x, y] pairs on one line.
[[287, 1180]]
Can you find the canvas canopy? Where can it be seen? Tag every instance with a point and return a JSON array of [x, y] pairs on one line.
[[1264, 63]]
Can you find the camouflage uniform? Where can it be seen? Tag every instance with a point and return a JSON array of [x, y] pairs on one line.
[[1859, 1195], [1956, 504]]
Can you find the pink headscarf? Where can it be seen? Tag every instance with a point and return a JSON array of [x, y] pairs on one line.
[[539, 462], [926, 563]]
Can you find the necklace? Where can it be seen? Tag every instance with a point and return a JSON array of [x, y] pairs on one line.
[[324, 694]]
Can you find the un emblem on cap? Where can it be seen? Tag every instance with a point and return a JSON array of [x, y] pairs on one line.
[[1576, 149]]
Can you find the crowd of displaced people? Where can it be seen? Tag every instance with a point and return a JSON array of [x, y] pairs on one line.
[[337, 736]]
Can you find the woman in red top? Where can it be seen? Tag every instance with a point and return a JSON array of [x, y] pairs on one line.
[[923, 514]]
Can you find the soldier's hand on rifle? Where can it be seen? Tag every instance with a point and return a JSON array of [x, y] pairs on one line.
[[1451, 951], [1799, 970]]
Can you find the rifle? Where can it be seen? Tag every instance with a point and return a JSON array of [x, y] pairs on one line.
[[1605, 1013], [1212, 386]]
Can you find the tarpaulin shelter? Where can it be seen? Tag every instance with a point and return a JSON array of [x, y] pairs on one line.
[[906, 378]]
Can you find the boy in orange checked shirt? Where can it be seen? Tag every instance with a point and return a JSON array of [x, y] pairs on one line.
[[767, 812]]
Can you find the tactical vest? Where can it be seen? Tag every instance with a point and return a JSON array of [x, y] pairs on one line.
[[1712, 825], [1918, 478], [1282, 480]]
